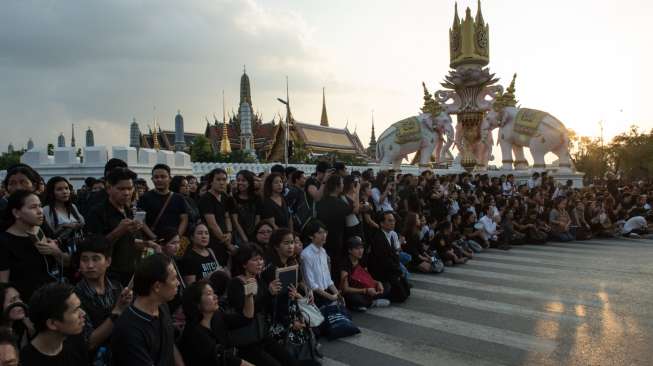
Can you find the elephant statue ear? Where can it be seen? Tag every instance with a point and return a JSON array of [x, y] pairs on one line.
[[431, 106]]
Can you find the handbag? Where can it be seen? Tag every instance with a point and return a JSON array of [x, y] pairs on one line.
[[255, 331], [360, 278], [310, 312], [338, 323], [300, 344]]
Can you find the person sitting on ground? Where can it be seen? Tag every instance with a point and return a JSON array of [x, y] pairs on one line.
[[58, 319], [360, 290], [102, 299], [490, 228], [315, 265], [199, 261], [421, 259], [144, 333], [442, 245], [205, 340], [251, 299], [383, 261], [560, 221]]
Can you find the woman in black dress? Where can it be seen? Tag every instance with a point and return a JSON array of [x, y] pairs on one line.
[[274, 210], [247, 206]]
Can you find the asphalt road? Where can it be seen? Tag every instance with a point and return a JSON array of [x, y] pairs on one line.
[[579, 303]]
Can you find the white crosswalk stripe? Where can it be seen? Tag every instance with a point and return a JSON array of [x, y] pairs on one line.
[[536, 308]]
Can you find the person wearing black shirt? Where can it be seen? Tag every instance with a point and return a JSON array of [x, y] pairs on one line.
[[144, 334], [313, 186], [27, 258], [215, 207], [332, 211], [205, 339], [59, 320], [275, 210], [199, 261], [103, 300], [163, 207], [247, 205], [113, 219]]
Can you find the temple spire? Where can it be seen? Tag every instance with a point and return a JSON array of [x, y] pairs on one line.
[[72, 135], [225, 145], [456, 18], [373, 137], [479, 16], [324, 120]]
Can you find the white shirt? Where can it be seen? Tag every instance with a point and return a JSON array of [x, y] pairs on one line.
[[315, 265], [393, 239], [382, 207], [489, 226], [61, 217], [634, 223], [532, 183]]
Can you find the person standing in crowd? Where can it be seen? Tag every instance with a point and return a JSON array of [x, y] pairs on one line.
[[332, 211], [28, 259], [98, 196], [314, 186], [246, 207], [102, 299], [114, 219], [274, 209], [58, 319], [19, 177], [383, 261], [216, 207], [199, 261], [296, 199], [315, 265], [383, 192], [179, 185], [163, 208], [62, 216], [143, 334]]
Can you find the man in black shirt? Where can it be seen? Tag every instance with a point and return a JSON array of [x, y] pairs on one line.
[[113, 218], [296, 199], [216, 207], [314, 185], [58, 319], [144, 334], [163, 207]]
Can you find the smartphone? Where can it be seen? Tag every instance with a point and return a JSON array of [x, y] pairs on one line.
[[250, 288], [139, 216]]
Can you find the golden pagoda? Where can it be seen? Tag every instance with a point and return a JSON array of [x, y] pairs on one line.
[[469, 39], [225, 145], [155, 137]]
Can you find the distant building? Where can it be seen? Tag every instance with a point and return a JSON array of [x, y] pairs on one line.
[[90, 139], [61, 141], [72, 135], [180, 141], [10, 148], [30, 144], [134, 134]]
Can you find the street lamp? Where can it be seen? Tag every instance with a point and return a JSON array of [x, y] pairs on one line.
[[287, 104]]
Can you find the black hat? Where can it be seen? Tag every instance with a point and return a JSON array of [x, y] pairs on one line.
[[355, 242]]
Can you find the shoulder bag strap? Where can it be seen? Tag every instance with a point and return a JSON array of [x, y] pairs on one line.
[[165, 205]]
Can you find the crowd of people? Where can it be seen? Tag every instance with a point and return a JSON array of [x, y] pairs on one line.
[[187, 271]]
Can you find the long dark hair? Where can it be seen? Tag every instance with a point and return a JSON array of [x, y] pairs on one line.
[[249, 177], [381, 181], [410, 227], [191, 301], [51, 201], [175, 183], [267, 186]]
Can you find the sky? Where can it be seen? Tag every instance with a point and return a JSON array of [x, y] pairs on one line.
[[99, 64]]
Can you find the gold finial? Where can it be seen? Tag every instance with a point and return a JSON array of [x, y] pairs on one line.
[[507, 99], [225, 145], [430, 105], [469, 39]]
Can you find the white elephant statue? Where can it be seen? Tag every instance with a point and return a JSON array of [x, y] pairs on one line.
[[442, 152], [421, 134], [522, 127]]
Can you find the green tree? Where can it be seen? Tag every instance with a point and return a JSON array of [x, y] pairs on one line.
[[9, 159], [200, 150], [50, 149]]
